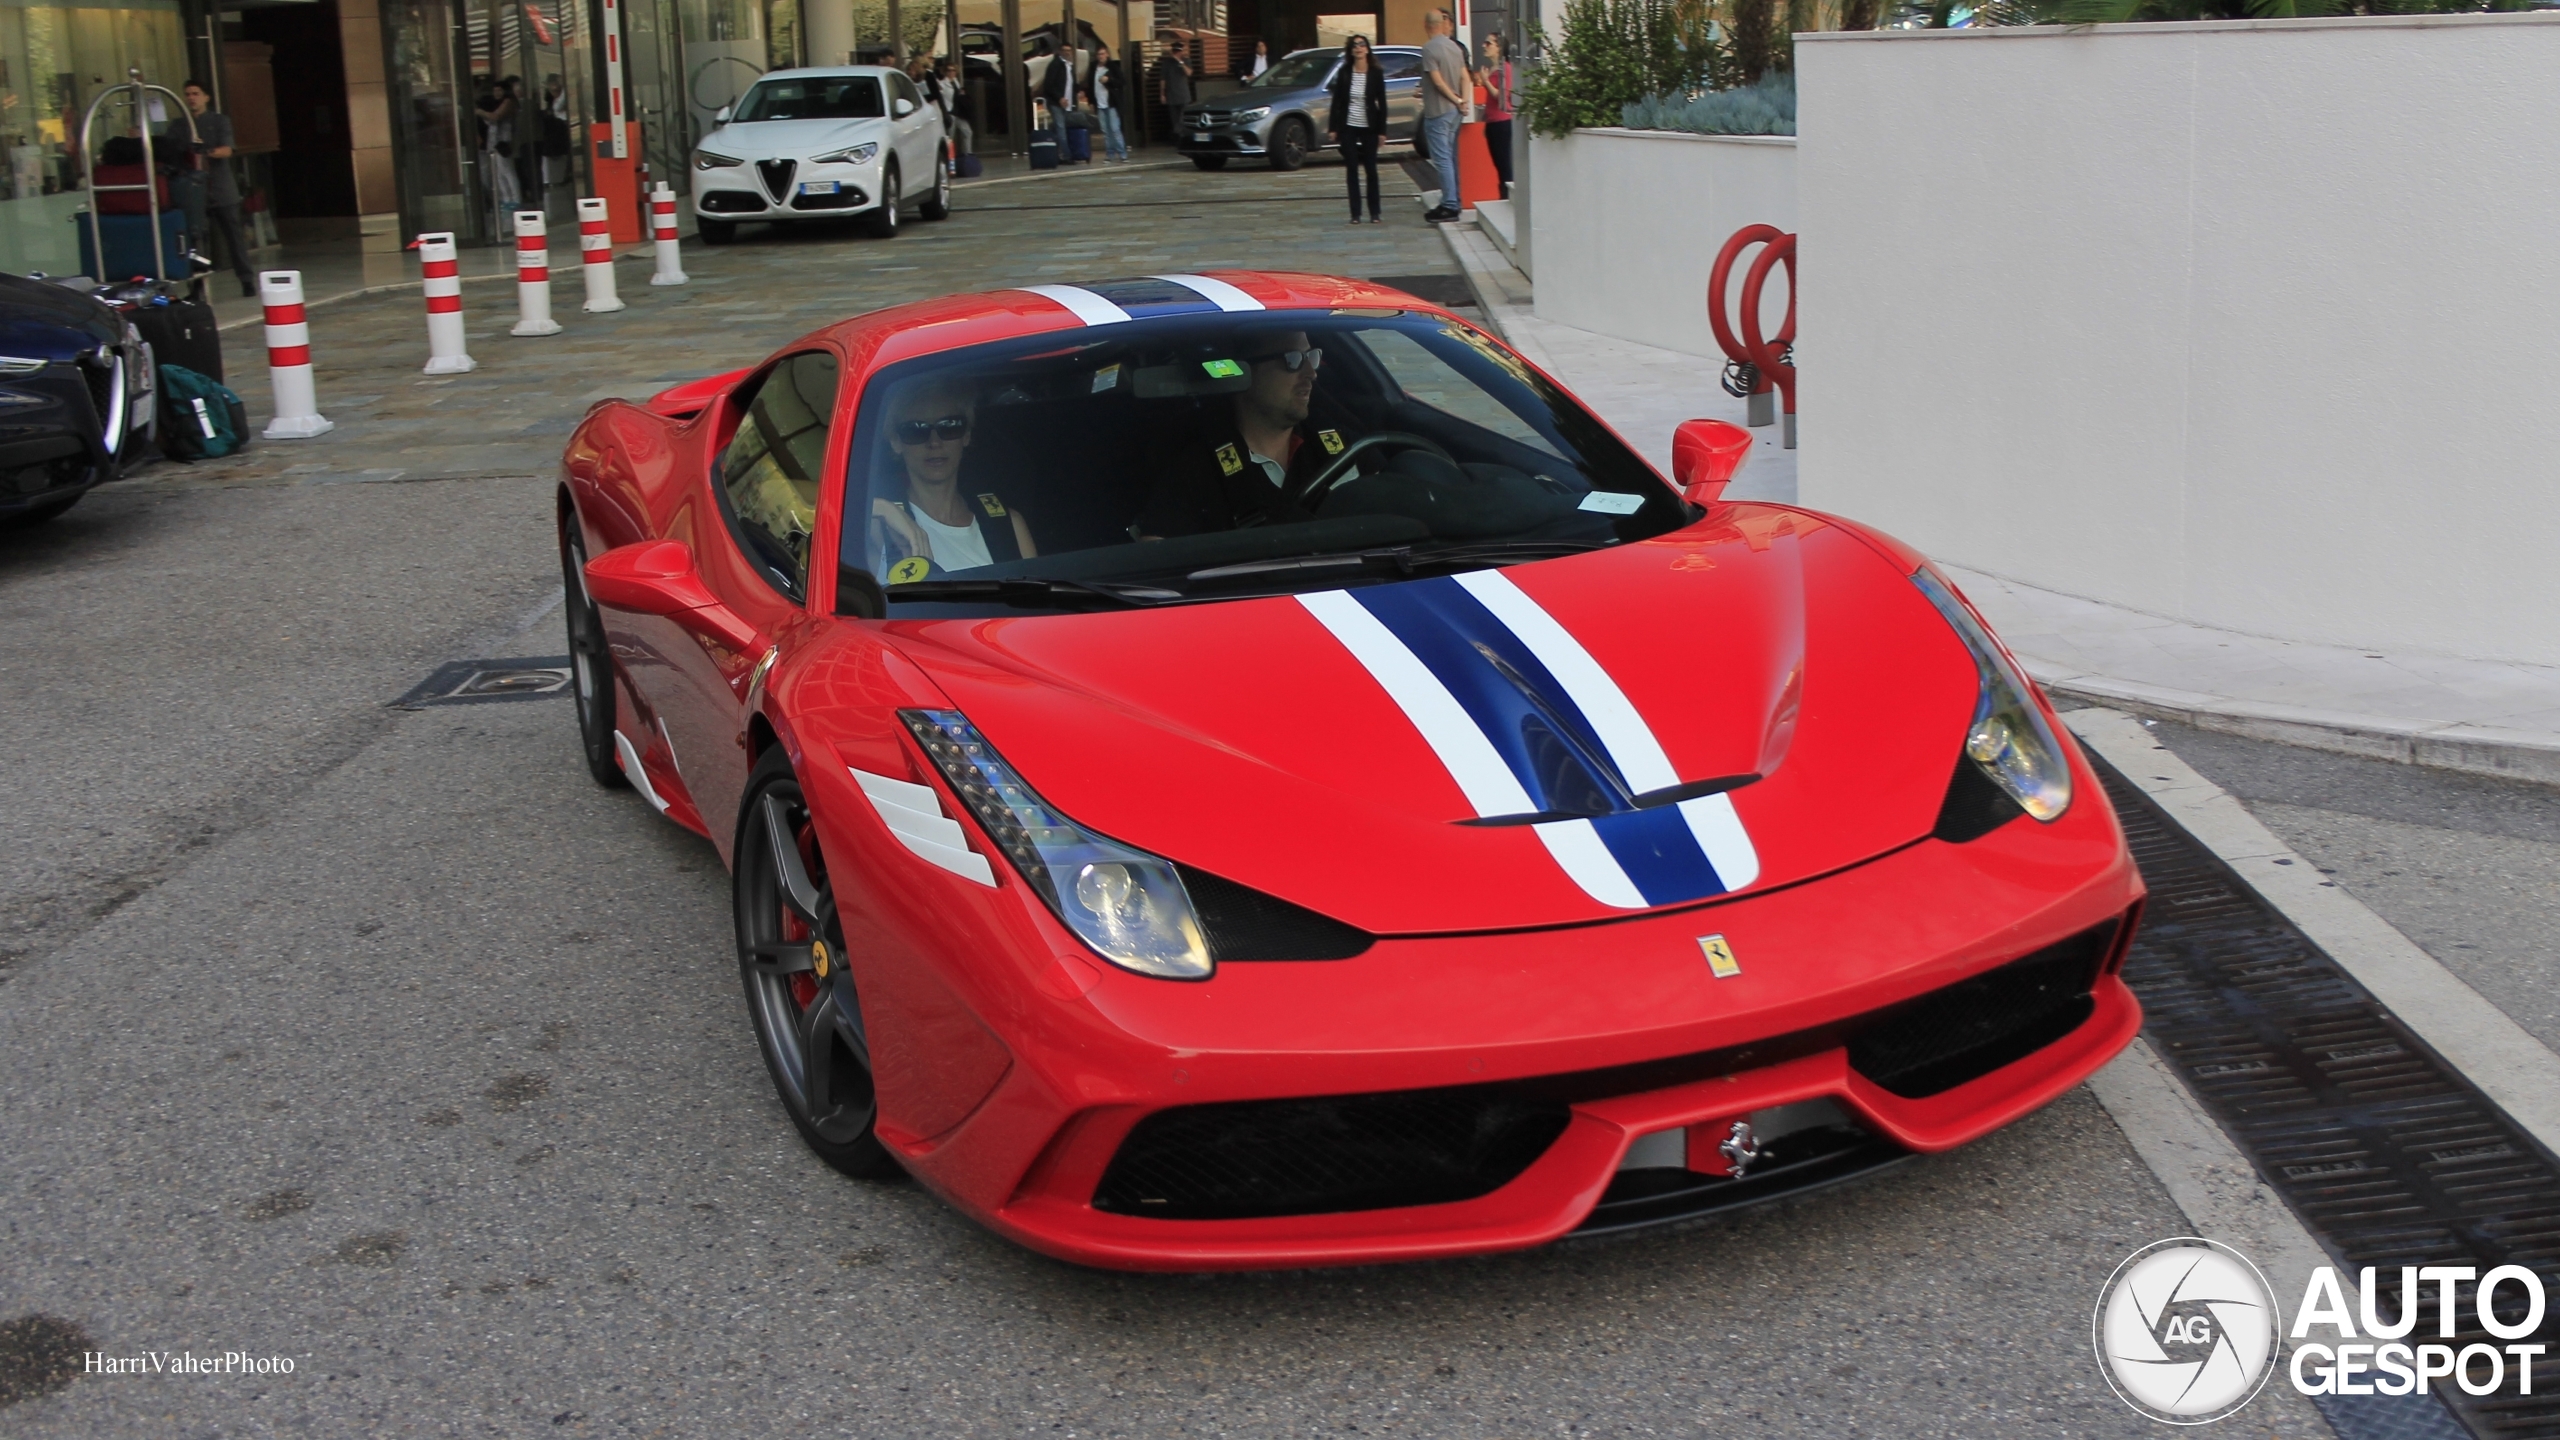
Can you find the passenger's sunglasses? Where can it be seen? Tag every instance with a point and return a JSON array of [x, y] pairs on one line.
[[925, 432], [1312, 359]]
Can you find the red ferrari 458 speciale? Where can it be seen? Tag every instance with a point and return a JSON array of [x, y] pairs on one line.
[[1243, 770]]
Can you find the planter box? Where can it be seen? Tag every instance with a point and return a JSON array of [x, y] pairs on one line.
[[1627, 225]]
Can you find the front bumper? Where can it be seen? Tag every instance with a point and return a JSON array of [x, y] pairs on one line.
[[741, 194], [1632, 1003], [1191, 138]]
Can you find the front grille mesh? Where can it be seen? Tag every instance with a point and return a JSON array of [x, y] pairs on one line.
[[1973, 1027]]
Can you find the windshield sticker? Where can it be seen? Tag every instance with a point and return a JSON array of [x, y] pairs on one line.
[[1222, 369], [1105, 378], [1611, 502]]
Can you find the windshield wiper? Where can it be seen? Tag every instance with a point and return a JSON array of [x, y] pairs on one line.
[[1030, 592], [1401, 559]]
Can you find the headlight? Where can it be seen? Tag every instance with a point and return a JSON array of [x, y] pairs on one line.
[[1128, 905], [2010, 738], [850, 155], [705, 160], [1247, 117]]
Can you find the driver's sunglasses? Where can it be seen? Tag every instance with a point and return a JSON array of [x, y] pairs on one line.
[[1312, 359], [925, 432]]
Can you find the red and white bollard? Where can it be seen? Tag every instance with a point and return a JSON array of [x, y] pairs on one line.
[[595, 247], [445, 355], [298, 414], [533, 277], [662, 227]]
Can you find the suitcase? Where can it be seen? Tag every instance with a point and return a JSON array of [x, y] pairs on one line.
[[1044, 153], [1079, 145], [971, 168], [128, 239], [178, 324]]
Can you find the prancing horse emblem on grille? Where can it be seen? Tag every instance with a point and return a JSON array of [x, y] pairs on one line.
[[1739, 1148]]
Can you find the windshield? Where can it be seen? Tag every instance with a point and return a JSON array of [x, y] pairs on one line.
[[1298, 71], [1197, 457], [823, 97]]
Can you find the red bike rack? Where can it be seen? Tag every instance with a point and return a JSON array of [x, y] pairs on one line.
[[1773, 357], [1748, 375]]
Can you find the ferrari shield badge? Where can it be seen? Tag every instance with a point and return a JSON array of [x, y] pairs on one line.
[[993, 506], [1720, 961], [910, 570], [1229, 460], [1332, 441]]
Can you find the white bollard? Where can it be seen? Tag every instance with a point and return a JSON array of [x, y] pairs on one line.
[[533, 277], [662, 226], [445, 355], [595, 247], [298, 414]]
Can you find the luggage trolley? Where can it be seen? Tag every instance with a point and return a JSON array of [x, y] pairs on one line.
[[140, 92]]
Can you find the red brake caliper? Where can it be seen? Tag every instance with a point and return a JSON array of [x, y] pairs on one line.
[[804, 986]]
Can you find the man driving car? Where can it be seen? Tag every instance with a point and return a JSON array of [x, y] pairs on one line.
[[1237, 468]]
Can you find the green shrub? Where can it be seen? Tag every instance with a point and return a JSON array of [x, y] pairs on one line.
[[1611, 54], [1768, 108]]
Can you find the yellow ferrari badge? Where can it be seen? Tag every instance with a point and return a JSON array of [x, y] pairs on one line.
[[818, 957], [910, 570], [991, 505], [1720, 961], [1229, 460], [1332, 441]]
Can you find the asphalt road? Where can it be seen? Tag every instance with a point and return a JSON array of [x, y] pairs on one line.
[[386, 1041]]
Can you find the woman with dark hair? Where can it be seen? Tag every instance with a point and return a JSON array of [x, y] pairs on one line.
[[1501, 99], [1357, 118]]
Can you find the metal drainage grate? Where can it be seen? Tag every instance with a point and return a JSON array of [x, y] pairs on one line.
[[482, 682], [2389, 1156]]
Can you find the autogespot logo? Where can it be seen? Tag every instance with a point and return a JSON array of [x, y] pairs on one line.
[[2186, 1330]]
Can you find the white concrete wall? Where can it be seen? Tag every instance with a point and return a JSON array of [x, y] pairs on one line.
[[1627, 224], [2253, 324]]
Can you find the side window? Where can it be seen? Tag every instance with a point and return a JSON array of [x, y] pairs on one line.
[[905, 89], [1403, 67], [769, 470]]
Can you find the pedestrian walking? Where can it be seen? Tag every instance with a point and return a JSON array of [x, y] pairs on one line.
[[1110, 92], [497, 114], [556, 146], [1058, 92], [1444, 104], [1255, 63], [210, 193], [1501, 100], [1357, 118]]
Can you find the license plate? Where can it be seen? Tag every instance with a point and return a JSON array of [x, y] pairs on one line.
[[1200, 139], [818, 187]]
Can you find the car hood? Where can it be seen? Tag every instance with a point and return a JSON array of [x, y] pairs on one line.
[[1338, 749], [40, 320], [791, 139]]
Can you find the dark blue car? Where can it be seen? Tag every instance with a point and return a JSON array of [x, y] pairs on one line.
[[77, 396]]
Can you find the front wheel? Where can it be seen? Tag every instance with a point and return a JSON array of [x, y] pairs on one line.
[[937, 206], [590, 661], [882, 222], [1289, 144], [799, 993], [1210, 162], [715, 232]]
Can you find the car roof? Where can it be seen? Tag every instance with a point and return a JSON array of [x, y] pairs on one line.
[[814, 72], [952, 322]]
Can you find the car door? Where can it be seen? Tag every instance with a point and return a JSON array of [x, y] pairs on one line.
[[1404, 93], [763, 490], [918, 134]]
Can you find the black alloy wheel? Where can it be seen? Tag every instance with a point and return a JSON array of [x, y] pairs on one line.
[[715, 232], [937, 206], [1210, 162], [590, 660], [1289, 144], [882, 222], [799, 993]]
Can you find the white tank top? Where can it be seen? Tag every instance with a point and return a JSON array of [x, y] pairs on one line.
[[955, 547]]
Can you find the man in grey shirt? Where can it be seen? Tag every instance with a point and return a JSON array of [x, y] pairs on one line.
[[215, 194], [1444, 104], [1176, 77]]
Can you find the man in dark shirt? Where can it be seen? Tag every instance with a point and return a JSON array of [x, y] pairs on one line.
[[1176, 77], [1236, 469], [213, 198]]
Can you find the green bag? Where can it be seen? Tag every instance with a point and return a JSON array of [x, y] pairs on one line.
[[199, 416]]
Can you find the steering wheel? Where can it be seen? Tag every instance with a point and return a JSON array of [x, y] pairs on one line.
[[1310, 492]]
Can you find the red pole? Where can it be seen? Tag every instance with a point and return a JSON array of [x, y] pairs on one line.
[[1769, 356], [1734, 350]]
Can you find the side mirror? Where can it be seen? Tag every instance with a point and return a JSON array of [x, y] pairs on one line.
[[1704, 456], [722, 117], [901, 108], [656, 577]]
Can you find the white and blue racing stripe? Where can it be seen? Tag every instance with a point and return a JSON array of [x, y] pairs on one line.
[[1531, 726], [1108, 302]]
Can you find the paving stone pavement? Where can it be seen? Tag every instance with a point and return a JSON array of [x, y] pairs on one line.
[[745, 300]]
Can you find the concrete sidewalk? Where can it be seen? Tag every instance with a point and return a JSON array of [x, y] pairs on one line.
[[2482, 716]]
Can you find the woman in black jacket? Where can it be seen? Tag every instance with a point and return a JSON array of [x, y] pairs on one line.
[[1357, 119]]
